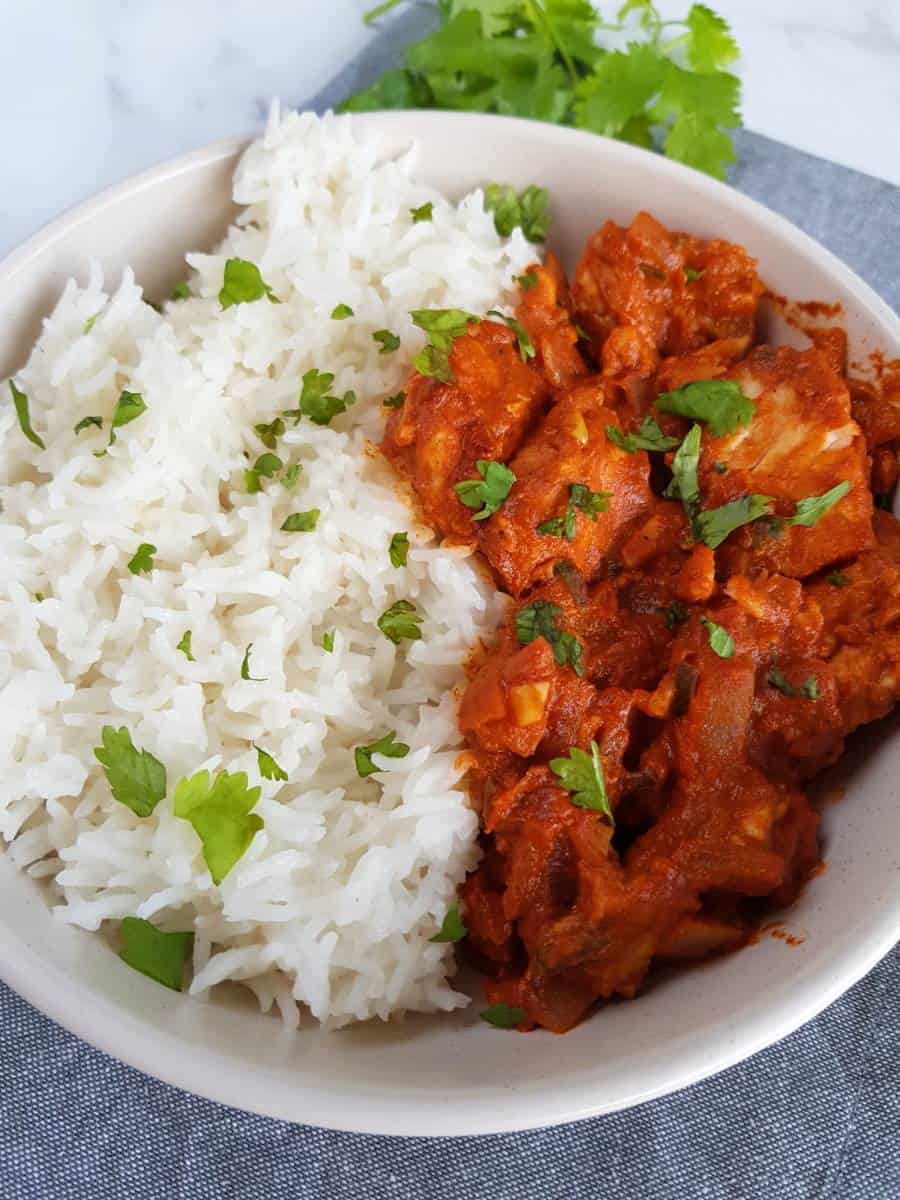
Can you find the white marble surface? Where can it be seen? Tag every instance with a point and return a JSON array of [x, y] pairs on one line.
[[96, 90]]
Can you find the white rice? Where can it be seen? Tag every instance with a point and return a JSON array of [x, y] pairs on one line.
[[333, 905]]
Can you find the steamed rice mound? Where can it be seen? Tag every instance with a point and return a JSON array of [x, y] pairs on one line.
[[333, 904]]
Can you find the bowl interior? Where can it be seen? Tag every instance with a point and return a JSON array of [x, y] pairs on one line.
[[455, 1075]]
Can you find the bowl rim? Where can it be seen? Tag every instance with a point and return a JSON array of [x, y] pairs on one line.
[[112, 1030]]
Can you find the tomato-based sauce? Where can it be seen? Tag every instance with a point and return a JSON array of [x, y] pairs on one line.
[[706, 603]]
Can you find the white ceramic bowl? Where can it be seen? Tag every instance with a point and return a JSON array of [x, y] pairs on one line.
[[455, 1075]]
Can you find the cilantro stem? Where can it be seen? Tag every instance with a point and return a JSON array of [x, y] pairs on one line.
[[539, 16], [374, 13], [675, 42]]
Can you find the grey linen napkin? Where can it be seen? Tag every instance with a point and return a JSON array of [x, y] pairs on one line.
[[815, 1117]]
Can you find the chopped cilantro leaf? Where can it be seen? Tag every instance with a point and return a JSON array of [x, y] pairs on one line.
[[394, 401], [341, 312], [141, 562], [129, 406], [87, 422], [504, 1016], [252, 482], [452, 927], [582, 774], [270, 433], [268, 767], [713, 525], [388, 341], [221, 817], [490, 491], [443, 326], [315, 403], [648, 437], [328, 641], [301, 522], [838, 579], [538, 619], [720, 403], [136, 779], [813, 508], [243, 283], [527, 281], [691, 276], [386, 745], [289, 479], [89, 324], [181, 291], [400, 621], [685, 485], [582, 498], [526, 345], [399, 549], [720, 640], [245, 667], [160, 956], [267, 465], [20, 400], [809, 688], [525, 210], [423, 213], [185, 646]]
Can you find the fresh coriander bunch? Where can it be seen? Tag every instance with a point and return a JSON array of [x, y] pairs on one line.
[[667, 90]]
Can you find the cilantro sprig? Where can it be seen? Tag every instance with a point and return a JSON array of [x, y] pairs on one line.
[[443, 326], [160, 956], [584, 500], [581, 773], [386, 745], [720, 403], [453, 928], [136, 779], [315, 403], [538, 619], [490, 491], [221, 817], [668, 89], [20, 400], [648, 437]]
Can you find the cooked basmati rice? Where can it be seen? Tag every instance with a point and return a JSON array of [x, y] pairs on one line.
[[333, 905]]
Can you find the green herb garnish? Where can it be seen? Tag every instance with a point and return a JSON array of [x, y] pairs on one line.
[[809, 688], [242, 284], [720, 403], [582, 774], [270, 433], [685, 485], [245, 667], [160, 956], [129, 406], [504, 1016], [648, 437], [423, 213], [490, 491], [838, 579], [400, 621], [388, 341], [394, 401], [385, 745], [443, 326], [667, 88], [720, 640], [185, 646], [526, 345], [527, 281], [289, 479], [399, 549], [452, 927], [713, 525], [182, 291], [811, 510], [691, 276], [538, 619], [20, 400], [525, 210], [328, 641], [301, 522], [315, 403], [141, 562], [221, 817], [87, 422], [136, 779], [341, 312], [268, 767], [582, 498]]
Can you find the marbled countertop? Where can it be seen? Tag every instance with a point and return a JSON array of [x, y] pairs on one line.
[[94, 91]]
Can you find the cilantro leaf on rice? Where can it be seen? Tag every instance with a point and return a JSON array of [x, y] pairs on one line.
[[220, 812]]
